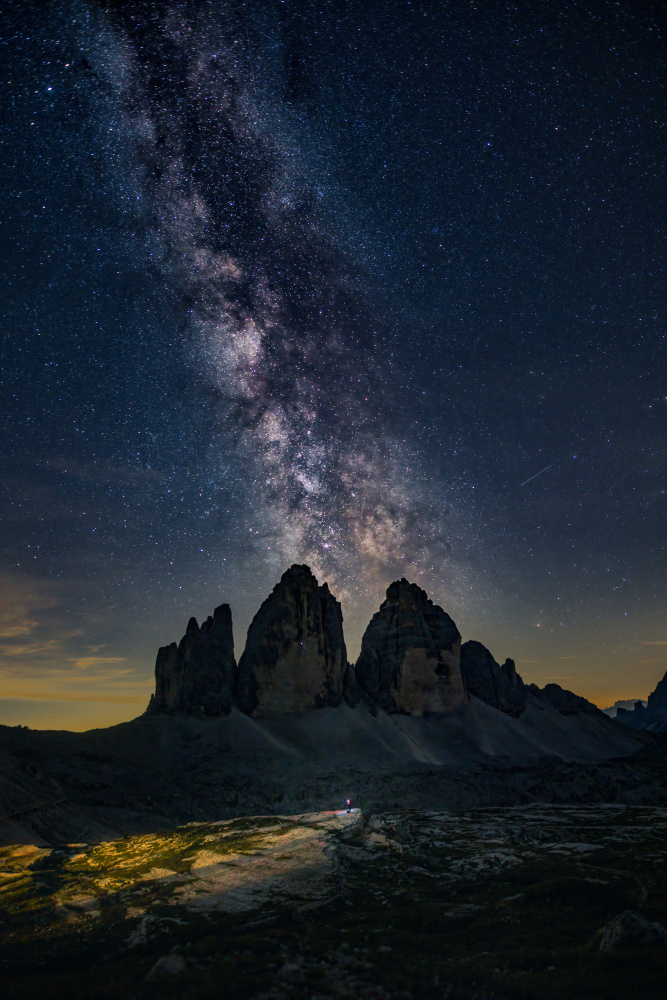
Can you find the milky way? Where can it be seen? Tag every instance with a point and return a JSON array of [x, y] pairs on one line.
[[276, 310]]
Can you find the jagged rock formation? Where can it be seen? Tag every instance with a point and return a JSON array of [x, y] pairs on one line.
[[626, 703], [410, 655], [197, 676], [499, 686], [565, 701], [295, 657], [657, 700], [653, 716], [639, 716]]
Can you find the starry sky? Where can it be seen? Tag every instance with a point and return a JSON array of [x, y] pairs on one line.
[[374, 286]]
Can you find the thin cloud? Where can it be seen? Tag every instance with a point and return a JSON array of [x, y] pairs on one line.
[[84, 662], [130, 699], [42, 648], [20, 628]]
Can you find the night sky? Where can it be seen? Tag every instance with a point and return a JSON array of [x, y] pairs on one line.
[[376, 286]]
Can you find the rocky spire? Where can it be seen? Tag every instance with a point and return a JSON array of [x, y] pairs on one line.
[[197, 676], [295, 656], [657, 700], [410, 655], [483, 677]]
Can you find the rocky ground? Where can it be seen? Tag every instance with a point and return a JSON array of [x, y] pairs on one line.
[[157, 772], [193, 858], [487, 903]]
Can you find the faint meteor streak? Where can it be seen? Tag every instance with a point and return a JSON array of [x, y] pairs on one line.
[[537, 474], [620, 480]]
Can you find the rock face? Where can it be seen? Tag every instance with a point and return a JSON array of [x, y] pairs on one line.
[[653, 716], [498, 686], [565, 701], [657, 700], [295, 657], [295, 660], [410, 655], [197, 676]]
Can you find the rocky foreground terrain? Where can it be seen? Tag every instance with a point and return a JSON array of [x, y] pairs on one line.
[[157, 772], [519, 902]]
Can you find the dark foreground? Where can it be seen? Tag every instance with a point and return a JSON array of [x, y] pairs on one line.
[[157, 773], [497, 902]]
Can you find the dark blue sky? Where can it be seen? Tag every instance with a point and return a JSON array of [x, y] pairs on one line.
[[330, 283]]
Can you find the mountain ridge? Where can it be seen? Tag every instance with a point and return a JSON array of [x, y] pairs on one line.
[[295, 659]]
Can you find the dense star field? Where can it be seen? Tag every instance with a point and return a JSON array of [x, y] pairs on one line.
[[377, 287]]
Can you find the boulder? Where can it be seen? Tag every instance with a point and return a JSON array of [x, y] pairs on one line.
[[197, 676], [410, 655], [168, 965], [630, 929], [499, 686], [295, 657]]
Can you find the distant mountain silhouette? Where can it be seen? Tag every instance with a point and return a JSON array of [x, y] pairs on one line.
[[628, 703], [650, 715]]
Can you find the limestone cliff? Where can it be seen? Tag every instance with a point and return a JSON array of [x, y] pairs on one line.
[[197, 676], [483, 677], [295, 656], [410, 655]]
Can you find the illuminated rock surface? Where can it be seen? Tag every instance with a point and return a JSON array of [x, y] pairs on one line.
[[505, 903], [410, 655]]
